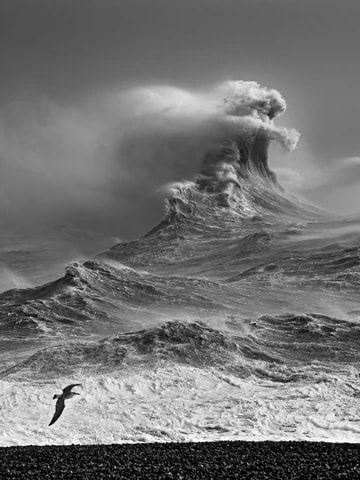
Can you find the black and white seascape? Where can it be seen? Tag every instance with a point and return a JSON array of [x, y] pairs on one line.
[[166, 244], [236, 317]]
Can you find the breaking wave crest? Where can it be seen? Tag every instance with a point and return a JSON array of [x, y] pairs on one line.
[[281, 348]]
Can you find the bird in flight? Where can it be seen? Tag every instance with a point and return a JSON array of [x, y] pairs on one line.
[[60, 404]]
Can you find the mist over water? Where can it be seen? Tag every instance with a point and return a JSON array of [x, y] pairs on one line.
[[100, 164]]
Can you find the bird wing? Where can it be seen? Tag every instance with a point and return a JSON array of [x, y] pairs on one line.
[[60, 405], [67, 389]]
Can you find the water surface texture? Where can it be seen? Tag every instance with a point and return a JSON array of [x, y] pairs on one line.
[[237, 317]]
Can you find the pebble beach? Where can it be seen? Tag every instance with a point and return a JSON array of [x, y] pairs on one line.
[[184, 461]]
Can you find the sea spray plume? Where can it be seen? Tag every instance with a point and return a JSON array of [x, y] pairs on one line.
[[100, 163], [228, 139], [174, 130], [233, 108], [9, 278], [252, 109], [249, 98]]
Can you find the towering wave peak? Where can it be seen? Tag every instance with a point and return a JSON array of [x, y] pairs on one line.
[[236, 114], [236, 127]]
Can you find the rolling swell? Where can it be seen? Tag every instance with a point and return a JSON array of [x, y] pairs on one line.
[[93, 296], [281, 348]]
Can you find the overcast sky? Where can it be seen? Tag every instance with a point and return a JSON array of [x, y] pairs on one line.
[[67, 51]]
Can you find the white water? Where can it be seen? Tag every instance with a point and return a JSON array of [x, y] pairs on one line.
[[178, 404]]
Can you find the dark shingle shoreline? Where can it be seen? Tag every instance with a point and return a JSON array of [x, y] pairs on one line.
[[184, 461]]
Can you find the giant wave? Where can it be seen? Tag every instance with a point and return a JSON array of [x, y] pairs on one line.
[[241, 283]]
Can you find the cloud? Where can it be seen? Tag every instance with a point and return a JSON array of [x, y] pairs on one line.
[[334, 186], [343, 173], [49, 158], [251, 99]]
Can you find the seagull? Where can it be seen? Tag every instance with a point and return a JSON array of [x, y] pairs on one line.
[[60, 404]]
